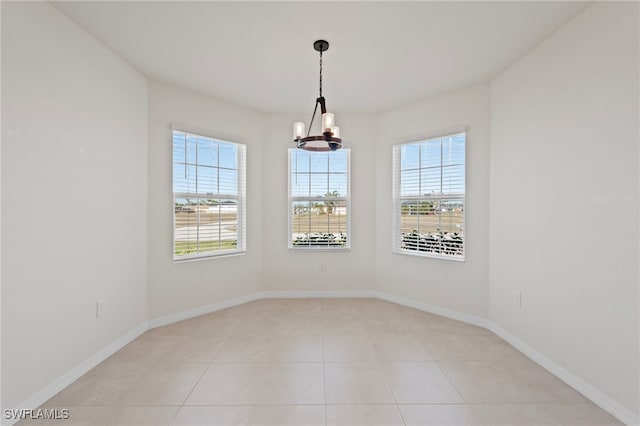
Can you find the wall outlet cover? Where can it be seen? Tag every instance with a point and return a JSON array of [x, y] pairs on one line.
[[99, 307]]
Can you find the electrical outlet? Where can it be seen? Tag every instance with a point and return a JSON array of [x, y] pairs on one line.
[[517, 298], [323, 267], [99, 307]]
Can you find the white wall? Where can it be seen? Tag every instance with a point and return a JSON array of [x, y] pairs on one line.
[[564, 199], [299, 270], [460, 286], [180, 286], [74, 180]]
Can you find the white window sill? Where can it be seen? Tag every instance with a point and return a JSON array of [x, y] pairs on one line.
[[208, 257], [319, 249], [416, 253]]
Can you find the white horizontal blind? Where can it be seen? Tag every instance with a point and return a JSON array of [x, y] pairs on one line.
[[319, 203], [209, 196], [429, 197]]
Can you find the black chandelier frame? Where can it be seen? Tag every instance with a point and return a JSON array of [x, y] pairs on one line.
[[333, 143]]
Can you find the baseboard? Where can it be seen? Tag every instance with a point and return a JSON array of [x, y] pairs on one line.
[[201, 310], [48, 391], [317, 294], [603, 401], [433, 309]]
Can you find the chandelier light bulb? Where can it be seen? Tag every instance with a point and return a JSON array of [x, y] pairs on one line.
[[328, 122], [336, 132], [298, 130]]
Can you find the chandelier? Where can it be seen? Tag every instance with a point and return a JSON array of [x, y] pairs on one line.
[[330, 138]]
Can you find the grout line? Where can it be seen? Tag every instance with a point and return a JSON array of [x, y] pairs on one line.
[[174, 416], [466, 404], [307, 403], [195, 385], [386, 379], [384, 374], [189, 394], [324, 382]]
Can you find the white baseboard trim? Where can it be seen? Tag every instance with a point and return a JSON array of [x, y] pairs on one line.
[[600, 399], [603, 401], [201, 310], [433, 309], [317, 294], [48, 391]]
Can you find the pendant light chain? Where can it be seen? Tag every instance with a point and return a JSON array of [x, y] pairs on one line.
[[320, 74], [316, 107]]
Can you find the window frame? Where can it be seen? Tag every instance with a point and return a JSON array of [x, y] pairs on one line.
[[291, 199], [398, 199], [240, 198]]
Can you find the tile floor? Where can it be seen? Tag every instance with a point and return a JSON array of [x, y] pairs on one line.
[[321, 362]]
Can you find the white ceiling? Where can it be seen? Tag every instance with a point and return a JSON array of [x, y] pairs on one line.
[[260, 55]]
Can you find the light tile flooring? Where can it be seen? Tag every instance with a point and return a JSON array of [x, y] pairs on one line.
[[321, 362]]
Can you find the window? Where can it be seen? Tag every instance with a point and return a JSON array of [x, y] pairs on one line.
[[319, 199], [208, 196], [428, 195]]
